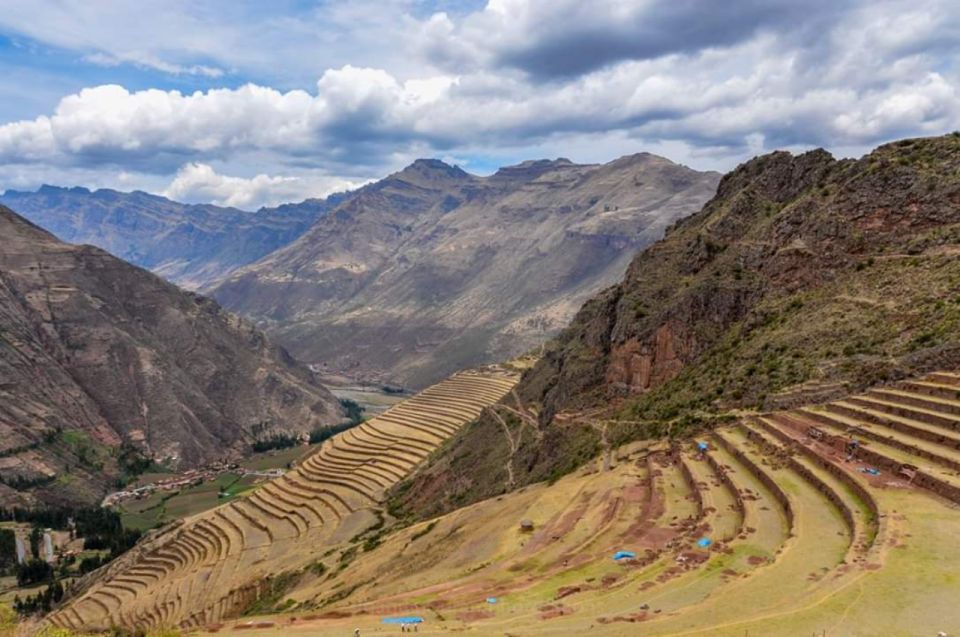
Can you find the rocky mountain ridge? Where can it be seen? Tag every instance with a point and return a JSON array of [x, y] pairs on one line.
[[433, 269]]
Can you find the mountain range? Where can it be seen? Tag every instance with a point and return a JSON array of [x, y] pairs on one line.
[[102, 362], [433, 269], [190, 245], [410, 278]]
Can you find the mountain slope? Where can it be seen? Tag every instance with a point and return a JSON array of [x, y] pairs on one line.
[[191, 245], [433, 269], [803, 279], [99, 359]]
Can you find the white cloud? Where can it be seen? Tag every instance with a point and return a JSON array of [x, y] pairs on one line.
[[359, 111], [516, 78], [200, 183], [291, 42], [152, 62]]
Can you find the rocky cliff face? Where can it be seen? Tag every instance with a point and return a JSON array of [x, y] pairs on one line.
[[433, 269], [804, 274], [191, 245], [100, 359]]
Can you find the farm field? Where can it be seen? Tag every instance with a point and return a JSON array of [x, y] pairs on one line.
[[807, 533], [216, 563]]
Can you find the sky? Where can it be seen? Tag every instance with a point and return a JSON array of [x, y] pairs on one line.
[[256, 103]]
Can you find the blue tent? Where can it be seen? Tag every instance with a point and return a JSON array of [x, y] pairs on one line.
[[702, 446], [624, 555], [403, 620], [704, 542], [491, 600]]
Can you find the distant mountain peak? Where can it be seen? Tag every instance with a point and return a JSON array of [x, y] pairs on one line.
[[533, 168], [427, 271], [433, 169], [47, 189]]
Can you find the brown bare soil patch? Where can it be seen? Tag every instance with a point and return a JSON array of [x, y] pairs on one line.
[[475, 615], [631, 618], [567, 591], [552, 611]]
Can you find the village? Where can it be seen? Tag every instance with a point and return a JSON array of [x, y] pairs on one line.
[[191, 478]]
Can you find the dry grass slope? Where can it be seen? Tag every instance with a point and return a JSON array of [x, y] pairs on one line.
[[214, 565]]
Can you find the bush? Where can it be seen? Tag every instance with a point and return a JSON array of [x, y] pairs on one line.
[[41, 602], [92, 563], [354, 410], [324, 433], [278, 441]]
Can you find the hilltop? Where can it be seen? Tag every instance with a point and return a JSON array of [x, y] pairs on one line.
[[104, 365], [433, 269], [804, 279]]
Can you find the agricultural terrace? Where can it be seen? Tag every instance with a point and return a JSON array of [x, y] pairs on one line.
[[215, 564], [839, 519]]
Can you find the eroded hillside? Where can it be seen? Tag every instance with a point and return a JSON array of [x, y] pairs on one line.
[[803, 279], [433, 269], [100, 360]]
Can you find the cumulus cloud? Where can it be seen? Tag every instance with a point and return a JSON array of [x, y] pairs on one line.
[[111, 125], [563, 38], [200, 183], [713, 82]]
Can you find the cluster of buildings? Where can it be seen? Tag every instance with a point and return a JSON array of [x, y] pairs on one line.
[[189, 478]]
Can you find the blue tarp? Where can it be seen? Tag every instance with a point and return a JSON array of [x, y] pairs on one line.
[[623, 555], [704, 542], [403, 620], [491, 600], [703, 446]]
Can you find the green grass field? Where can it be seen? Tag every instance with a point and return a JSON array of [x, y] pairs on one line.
[[163, 507]]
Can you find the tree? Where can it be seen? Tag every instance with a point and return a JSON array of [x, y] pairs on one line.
[[8, 549], [36, 537], [33, 572]]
